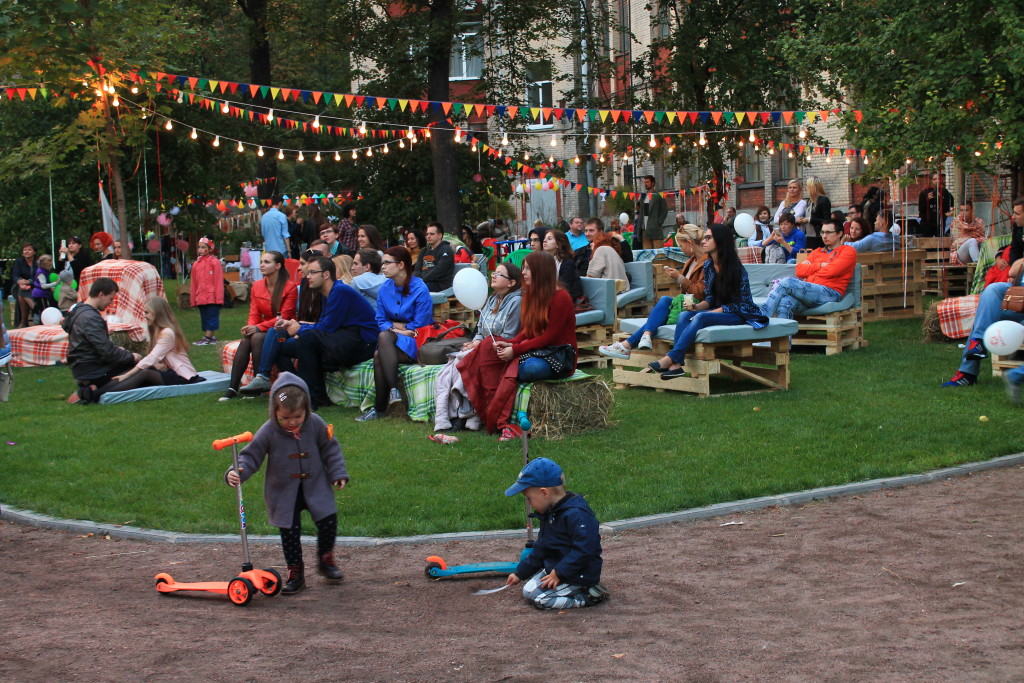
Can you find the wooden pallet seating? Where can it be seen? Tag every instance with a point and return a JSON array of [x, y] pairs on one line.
[[1001, 364], [594, 328], [736, 351], [946, 279], [885, 276]]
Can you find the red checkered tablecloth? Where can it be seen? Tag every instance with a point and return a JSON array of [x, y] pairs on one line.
[[956, 315], [137, 282], [227, 358], [749, 254], [45, 345]]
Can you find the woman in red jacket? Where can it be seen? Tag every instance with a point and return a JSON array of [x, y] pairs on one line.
[[548, 321], [207, 290], [272, 298]]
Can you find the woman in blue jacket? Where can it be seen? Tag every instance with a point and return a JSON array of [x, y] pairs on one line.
[[403, 306]]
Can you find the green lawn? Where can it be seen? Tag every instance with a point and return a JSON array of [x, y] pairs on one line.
[[869, 413]]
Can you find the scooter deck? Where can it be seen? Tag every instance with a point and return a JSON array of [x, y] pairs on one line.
[[219, 587]]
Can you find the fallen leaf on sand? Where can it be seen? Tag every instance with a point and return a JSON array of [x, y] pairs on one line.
[[620, 655]]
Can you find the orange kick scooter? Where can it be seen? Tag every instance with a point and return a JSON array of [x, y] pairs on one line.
[[241, 589]]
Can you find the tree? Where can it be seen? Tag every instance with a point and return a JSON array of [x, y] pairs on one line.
[[932, 80], [722, 56]]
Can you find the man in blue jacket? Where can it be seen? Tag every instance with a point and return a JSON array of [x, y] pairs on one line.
[[564, 567]]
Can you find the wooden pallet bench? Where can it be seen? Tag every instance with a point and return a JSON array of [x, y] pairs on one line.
[[892, 289], [947, 280]]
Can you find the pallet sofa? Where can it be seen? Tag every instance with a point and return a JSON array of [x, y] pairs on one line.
[[837, 326], [638, 300], [594, 328]]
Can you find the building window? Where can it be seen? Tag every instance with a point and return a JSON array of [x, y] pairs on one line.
[[467, 56], [751, 164], [662, 22], [539, 90], [787, 160]]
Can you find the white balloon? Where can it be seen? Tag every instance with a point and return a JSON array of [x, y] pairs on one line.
[[624, 218], [1004, 337], [51, 316], [470, 287], [744, 225]]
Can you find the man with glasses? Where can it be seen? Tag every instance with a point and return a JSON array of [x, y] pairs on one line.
[[436, 262], [821, 279], [345, 335], [855, 212]]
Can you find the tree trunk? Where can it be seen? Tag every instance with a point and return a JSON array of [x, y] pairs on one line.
[[259, 74], [442, 142]]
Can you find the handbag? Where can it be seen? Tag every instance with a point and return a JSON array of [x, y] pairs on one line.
[[582, 304], [436, 330], [435, 351], [561, 359], [1013, 300]]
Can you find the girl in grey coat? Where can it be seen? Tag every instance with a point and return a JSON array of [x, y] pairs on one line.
[[303, 460]]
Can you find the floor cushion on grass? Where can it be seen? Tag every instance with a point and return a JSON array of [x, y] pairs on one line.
[[215, 381]]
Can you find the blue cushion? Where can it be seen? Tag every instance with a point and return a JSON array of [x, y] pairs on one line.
[[641, 276], [442, 296], [589, 318], [629, 296], [762, 275], [777, 327], [215, 381], [601, 292]]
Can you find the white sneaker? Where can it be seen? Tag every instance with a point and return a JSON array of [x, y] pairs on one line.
[[394, 396], [645, 341], [616, 350]]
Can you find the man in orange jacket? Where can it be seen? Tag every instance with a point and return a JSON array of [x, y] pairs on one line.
[[821, 279]]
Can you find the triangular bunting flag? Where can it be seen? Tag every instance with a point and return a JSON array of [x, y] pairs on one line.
[[649, 116], [513, 111], [716, 116], [447, 107], [787, 116], [823, 115], [316, 96], [274, 92], [671, 117]]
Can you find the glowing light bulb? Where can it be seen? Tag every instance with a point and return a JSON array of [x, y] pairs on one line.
[[224, 108], [504, 139], [601, 159], [866, 161], [270, 116], [116, 102], [369, 152], [300, 157], [354, 155], [169, 125], [316, 121], [554, 141], [362, 128], [410, 134], [317, 157], [847, 161], [240, 148], [791, 155], [671, 149], [752, 138], [458, 135], [909, 162], [401, 144], [386, 149], [828, 158], [602, 143], [337, 156], [802, 134], [280, 154], [426, 134], [771, 152], [526, 156], [977, 154], [216, 141], [576, 160], [135, 90], [551, 159], [259, 152], [194, 134], [703, 140], [473, 148], [181, 97]]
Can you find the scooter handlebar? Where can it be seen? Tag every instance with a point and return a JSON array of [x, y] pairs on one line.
[[231, 440], [524, 422]]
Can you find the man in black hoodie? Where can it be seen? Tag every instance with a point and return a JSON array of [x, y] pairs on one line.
[[436, 263], [93, 358]]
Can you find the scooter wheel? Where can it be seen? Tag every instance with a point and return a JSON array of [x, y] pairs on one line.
[[431, 566], [272, 588], [240, 591], [163, 578]]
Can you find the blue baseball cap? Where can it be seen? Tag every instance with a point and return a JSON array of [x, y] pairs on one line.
[[539, 472]]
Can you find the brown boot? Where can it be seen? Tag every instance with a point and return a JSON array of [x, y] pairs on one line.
[[296, 580], [328, 569]]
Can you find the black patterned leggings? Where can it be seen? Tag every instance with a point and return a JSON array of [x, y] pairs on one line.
[[291, 537]]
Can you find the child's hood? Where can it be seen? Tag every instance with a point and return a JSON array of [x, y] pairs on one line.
[[283, 380]]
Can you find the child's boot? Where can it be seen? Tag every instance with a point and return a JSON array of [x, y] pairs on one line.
[[296, 580], [328, 569]]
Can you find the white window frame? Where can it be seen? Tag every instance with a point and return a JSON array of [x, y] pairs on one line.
[[548, 124], [466, 61]]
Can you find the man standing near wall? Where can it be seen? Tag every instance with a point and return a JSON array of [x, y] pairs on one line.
[[651, 212]]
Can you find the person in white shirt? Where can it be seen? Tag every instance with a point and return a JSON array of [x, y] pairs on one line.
[[367, 277]]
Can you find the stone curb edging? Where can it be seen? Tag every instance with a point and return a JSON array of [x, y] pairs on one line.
[[29, 518]]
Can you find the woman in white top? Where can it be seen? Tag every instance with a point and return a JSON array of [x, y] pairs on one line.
[[167, 362], [605, 261], [793, 201]]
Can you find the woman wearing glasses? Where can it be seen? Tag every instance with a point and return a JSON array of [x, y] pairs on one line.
[[403, 306], [727, 299]]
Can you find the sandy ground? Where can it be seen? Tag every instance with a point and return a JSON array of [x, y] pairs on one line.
[[922, 583]]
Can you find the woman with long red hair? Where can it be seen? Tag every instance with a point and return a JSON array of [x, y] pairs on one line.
[[545, 348]]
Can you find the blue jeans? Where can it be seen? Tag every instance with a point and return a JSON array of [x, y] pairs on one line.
[[534, 370], [686, 335], [278, 349], [792, 295], [990, 310], [657, 318]]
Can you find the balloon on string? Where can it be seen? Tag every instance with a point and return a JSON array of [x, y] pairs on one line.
[[470, 287], [164, 220], [744, 225], [1004, 337], [624, 218], [175, 210], [51, 316]]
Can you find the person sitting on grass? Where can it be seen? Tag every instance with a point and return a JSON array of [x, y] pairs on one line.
[[166, 364], [990, 310], [93, 357], [563, 570], [690, 280], [821, 279], [727, 299], [303, 461]]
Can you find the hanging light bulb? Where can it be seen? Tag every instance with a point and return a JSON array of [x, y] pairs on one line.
[[240, 148], [741, 142], [602, 143], [369, 152], [362, 127], [847, 161], [317, 157], [224, 108], [866, 161], [652, 143], [458, 135], [601, 159], [401, 144], [386, 150], [828, 158], [413, 140], [259, 151], [802, 134], [280, 154], [473, 148], [771, 152], [551, 159], [757, 147], [116, 102], [337, 156], [135, 90], [316, 121], [977, 154], [426, 134], [703, 140], [576, 160], [300, 157], [270, 116], [354, 155], [216, 141], [181, 96], [671, 149], [752, 138], [909, 162], [554, 141], [410, 134], [808, 158], [791, 155], [169, 125], [504, 139], [526, 156]]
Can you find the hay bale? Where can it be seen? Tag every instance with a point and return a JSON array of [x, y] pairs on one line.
[[930, 325], [123, 340], [567, 408], [184, 300]]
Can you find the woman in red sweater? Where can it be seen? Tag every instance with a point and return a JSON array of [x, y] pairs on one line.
[[272, 298], [548, 321]]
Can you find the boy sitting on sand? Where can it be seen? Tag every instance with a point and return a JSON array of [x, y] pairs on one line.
[[564, 567]]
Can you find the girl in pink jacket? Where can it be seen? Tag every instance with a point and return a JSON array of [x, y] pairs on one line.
[[207, 290]]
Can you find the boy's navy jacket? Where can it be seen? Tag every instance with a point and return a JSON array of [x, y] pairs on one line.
[[569, 542]]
